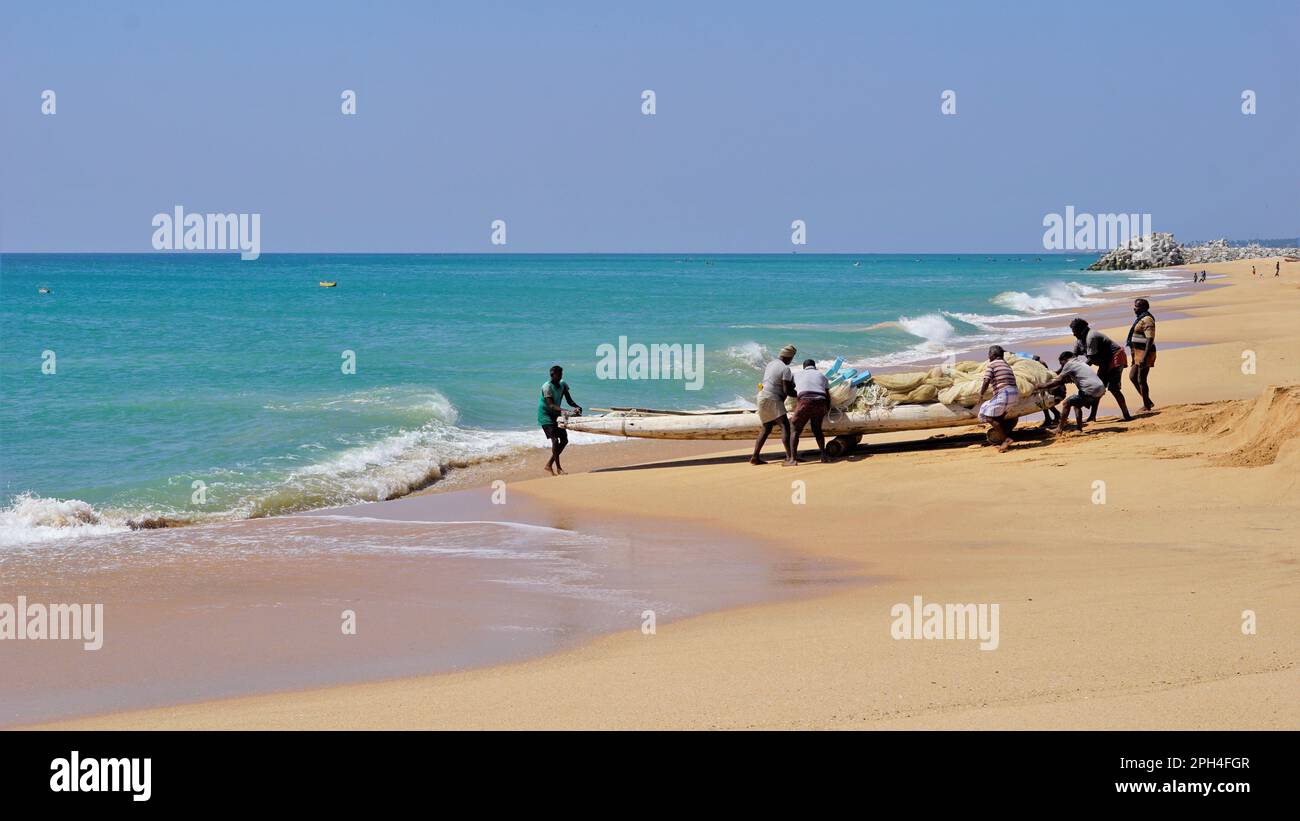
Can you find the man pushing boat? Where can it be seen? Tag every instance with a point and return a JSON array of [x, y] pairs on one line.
[[778, 383], [1100, 350], [813, 392], [549, 413], [998, 376]]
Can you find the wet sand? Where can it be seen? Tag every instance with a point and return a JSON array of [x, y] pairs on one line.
[[256, 606]]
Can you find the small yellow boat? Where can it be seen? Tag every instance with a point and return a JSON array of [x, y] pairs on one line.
[[328, 284]]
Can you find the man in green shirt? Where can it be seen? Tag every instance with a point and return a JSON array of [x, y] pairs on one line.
[[549, 412]]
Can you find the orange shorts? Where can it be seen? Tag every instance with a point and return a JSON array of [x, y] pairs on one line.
[[1144, 357]]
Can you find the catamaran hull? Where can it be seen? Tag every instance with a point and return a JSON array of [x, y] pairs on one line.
[[667, 425]]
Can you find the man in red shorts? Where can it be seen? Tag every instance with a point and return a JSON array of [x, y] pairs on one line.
[[814, 401]]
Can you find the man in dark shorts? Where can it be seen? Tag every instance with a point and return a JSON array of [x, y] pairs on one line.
[[813, 393], [1100, 350], [549, 412], [1091, 390], [1141, 342]]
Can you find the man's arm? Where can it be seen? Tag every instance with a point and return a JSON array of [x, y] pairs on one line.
[[568, 396]]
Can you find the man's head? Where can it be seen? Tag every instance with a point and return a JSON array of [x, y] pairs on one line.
[[995, 352], [787, 354], [810, 363], [1140, 305], [557, 373], [1079, 327], [1066, 356]]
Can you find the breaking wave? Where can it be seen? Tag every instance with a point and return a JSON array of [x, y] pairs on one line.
[[388, 467], [1055, 297]]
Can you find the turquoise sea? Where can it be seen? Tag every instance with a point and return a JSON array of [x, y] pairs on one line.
[[138, 375]]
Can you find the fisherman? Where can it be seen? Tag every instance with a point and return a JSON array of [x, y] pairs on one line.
[[813, 390], [778, 383], [1091, 389], [549, 412], [1051, 415], [1101, 350], [1141, 342], [999, 376]]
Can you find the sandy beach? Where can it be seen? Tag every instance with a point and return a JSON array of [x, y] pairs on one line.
[[1119, 614]]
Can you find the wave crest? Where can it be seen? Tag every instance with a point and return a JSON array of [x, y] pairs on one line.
[[1057, 296]]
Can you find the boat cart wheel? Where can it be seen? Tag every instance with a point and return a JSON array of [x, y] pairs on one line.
[[841, 445]]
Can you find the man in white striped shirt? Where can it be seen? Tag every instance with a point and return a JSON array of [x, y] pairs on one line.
[[999, 376]]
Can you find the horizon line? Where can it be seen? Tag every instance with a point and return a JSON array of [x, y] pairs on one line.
[[557, 253]]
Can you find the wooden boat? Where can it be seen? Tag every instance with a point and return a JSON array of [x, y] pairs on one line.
[[328, 284], [847, 428]]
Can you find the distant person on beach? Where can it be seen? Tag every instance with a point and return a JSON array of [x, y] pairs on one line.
[[778, 383], [1091, 389], [1141, 342], [1100, 350], [1050, 414], [1252, 270], [813, 390], [998, 376], [1277, 268], [549, 413]]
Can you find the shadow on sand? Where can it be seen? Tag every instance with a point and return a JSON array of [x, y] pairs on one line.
[[1024, 438]]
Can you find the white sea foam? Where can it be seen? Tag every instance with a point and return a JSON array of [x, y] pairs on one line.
[[385, 468], [1055, 297], [30, 518], [751, 354], [935, 329]]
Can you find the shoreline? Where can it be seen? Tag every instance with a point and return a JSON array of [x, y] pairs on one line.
[[688, 658], [457, 474]]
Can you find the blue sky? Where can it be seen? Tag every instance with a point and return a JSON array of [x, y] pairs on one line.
[[766, 112]]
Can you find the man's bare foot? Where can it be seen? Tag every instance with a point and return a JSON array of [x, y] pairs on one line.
[[754, 460], [789, 463], [548, 470], [559, 471], [1005, 446], [825, 460]]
